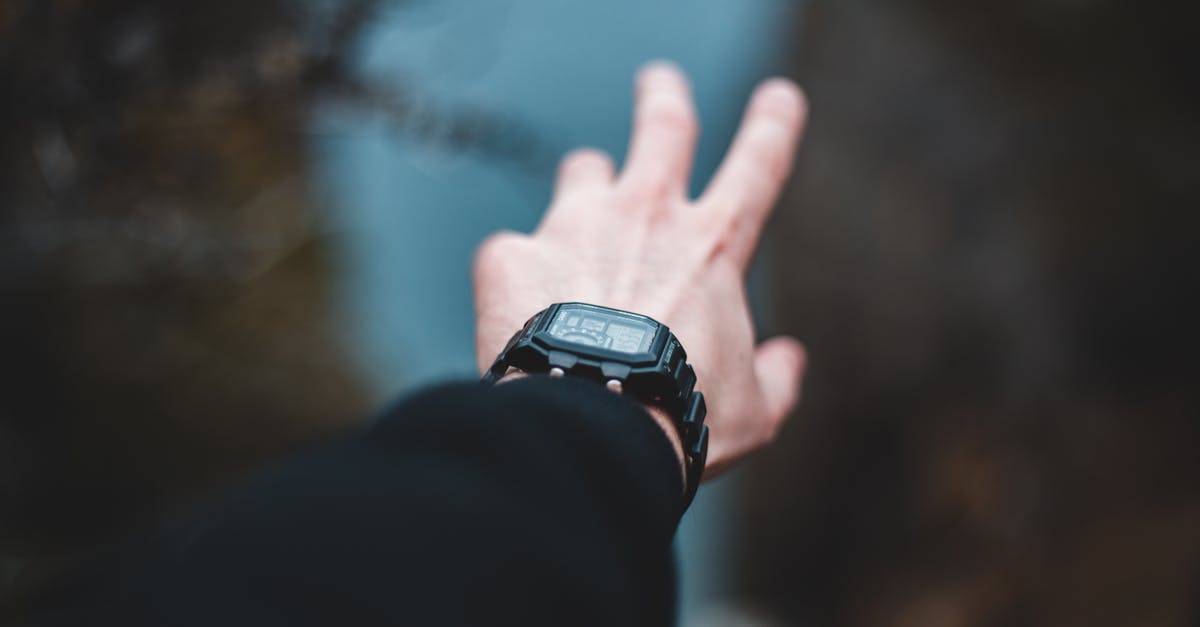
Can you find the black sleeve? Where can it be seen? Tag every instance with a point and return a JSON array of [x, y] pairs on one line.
[[537, 502]]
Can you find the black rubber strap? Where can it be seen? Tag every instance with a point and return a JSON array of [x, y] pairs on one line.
[[688, 410]]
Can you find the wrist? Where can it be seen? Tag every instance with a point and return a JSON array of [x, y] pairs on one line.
[[667, 424]]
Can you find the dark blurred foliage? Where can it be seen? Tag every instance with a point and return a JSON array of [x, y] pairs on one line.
[[991, 250], [164, 281], [165, 273]]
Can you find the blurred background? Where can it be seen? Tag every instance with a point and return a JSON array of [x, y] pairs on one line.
[[231, 229]]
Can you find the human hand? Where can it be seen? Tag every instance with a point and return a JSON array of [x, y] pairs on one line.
[[637, 242]]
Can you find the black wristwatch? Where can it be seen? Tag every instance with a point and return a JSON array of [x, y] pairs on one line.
[[629, 353]]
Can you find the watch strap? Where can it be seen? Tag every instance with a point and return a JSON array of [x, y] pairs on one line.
[[687, 407]]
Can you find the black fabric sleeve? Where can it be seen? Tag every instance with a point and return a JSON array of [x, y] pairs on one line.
[[537, 502]]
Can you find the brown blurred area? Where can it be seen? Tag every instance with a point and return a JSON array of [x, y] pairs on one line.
[[166, 289], [990, 250], [168, 285]]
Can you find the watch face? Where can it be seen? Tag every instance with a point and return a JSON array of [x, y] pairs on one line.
[[612, 331]]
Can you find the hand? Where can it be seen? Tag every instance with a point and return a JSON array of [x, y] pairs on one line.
[[637, 242]]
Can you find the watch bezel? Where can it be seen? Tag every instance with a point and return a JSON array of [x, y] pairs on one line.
[[540, 335], [659, 375]]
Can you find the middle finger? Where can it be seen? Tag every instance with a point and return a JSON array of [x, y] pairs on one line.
[[665, 130]]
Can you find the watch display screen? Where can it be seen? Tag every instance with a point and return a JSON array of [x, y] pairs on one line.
[[614, 332]]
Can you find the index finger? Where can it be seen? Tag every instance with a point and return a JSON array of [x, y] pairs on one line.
[[665, 130], [749, 181]]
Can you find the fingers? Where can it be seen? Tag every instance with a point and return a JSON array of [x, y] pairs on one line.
[[753, 174], [665, 129], [583, 169], [581, 172], [779, 365]]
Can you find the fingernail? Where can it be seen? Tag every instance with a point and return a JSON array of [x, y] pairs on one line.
[[661, 71], [782, 91]]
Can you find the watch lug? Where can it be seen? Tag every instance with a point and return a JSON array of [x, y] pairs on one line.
[[693, 415], [685, 381], [699, 449], [617, 371], [559, 359]]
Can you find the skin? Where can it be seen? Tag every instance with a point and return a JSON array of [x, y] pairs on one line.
[[634, 240]]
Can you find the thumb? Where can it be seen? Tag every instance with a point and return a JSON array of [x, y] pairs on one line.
[[779, 365]]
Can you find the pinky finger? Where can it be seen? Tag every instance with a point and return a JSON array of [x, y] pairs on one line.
[[779, 365]]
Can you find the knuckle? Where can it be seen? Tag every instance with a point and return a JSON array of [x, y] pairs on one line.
[[670, 113], [768, 153], [721, 231], [495, 250], [773, 428], [715, 249], [774, 167], [724, 253]]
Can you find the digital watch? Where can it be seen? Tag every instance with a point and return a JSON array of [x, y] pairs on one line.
[[629, 353]]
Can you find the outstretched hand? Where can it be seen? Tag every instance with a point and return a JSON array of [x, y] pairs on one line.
[[636, 241]]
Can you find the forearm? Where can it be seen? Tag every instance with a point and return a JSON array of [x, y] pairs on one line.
[[534, 502]]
